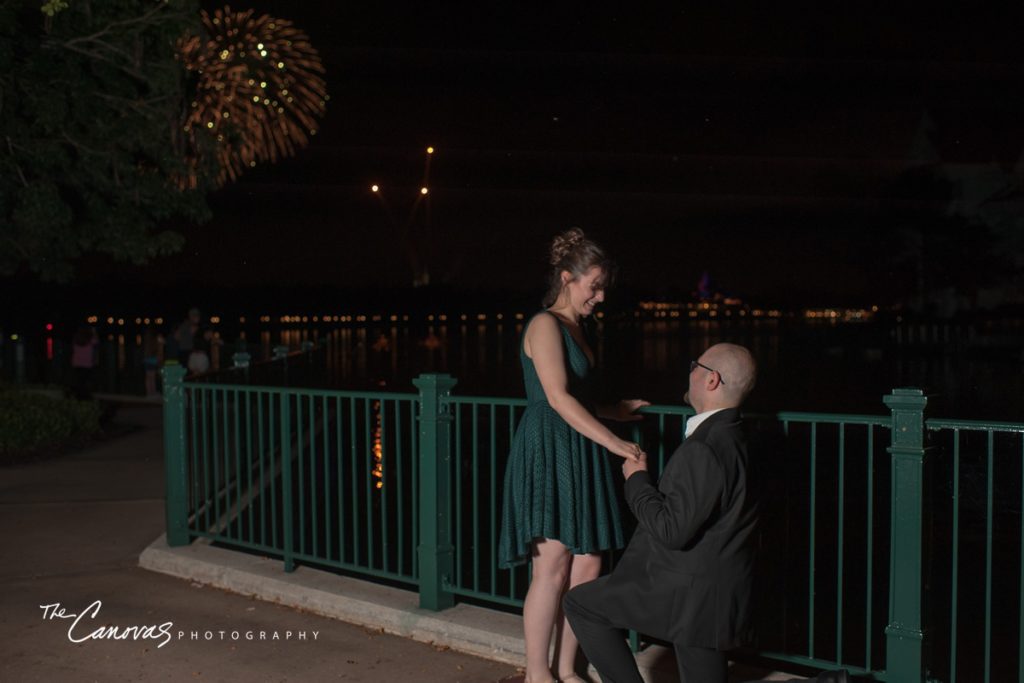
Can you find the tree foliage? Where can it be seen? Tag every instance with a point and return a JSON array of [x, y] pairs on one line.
[[91, 106]]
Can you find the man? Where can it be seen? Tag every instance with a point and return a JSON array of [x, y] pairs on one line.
[[687, 573], [185, 335]]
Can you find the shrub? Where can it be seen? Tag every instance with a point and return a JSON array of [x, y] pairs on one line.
[[31, 423]]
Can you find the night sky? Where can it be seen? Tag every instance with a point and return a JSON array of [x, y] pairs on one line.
[[769, 148]]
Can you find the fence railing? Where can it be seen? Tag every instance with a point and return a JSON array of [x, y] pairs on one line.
[[977, 567], [275, 471], [407, 488]]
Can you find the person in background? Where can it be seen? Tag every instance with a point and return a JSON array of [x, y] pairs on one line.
[[203, 343], [150, 358], [84, 345], [184, 335]]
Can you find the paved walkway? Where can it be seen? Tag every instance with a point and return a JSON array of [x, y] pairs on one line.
[[74, 529]]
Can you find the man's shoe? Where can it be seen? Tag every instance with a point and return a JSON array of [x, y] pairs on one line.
[[837, 676]]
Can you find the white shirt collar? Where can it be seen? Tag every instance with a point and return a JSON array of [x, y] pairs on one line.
[[695, 421]]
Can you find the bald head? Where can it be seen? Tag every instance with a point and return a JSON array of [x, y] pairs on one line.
[[736, 373]]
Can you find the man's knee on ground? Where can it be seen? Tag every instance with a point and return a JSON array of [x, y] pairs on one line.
[[578, 603], [570, 602]]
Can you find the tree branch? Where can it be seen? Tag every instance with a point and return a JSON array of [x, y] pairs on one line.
[[109, 47], [103, 58], [144, 19], [79, 146], [137, 105], [77, 44], [17, 247], [21, 174]]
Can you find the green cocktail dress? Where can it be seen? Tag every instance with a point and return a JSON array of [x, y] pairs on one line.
[[558, 483]]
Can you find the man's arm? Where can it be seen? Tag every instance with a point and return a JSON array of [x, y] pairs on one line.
[[686, 497]]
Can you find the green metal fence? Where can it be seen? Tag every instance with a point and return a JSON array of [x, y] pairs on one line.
[[977, 568], [483, 429], [821, 532], [407, 488], [320, 477]]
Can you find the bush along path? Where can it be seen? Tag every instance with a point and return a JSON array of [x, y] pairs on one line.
[[36, 425]]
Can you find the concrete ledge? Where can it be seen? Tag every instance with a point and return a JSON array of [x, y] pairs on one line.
[[474, 630]]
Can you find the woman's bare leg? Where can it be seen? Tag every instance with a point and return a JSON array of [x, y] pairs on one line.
[[584, 568], [551, 562]]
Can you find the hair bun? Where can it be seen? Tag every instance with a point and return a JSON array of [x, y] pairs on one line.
[[564, 244]]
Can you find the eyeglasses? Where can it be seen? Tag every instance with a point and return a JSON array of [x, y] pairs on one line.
[[694, 364]]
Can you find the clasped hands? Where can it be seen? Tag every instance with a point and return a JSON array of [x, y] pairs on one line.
[[633, 457], [631, 466]]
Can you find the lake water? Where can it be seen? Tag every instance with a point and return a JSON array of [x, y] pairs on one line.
[[971, 371]]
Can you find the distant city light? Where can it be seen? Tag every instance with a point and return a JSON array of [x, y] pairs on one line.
[[430, 150], [374, 188], [424, 190]]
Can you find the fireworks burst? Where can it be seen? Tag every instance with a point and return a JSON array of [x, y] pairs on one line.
[[259, 91]]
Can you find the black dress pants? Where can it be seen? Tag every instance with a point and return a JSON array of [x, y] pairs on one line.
[[604, 643]]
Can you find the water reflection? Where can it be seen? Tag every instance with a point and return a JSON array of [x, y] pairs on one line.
[[973, 372]]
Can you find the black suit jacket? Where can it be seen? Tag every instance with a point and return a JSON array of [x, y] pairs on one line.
[[686, 575]]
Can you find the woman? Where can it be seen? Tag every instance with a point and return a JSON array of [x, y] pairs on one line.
[[560, 509], [84, 345]]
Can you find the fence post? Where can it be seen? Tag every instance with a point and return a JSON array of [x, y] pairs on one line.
[[435, 551], [905, 633], [175, 458], [286, 483]]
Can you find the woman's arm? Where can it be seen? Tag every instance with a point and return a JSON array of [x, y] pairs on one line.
[[543, 344]]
